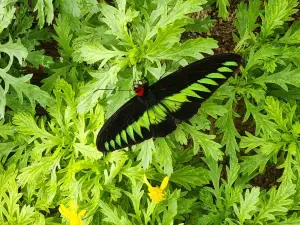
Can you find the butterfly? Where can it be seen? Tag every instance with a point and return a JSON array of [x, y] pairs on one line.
[[157, 108]]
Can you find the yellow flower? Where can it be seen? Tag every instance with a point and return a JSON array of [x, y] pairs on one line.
[[157, 194], [71, 214]]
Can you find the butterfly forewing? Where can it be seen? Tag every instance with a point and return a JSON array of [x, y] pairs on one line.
[[175, 97], [183, 91]]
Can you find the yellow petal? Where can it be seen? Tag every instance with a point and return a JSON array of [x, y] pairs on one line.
[[73, 206], [81, 213], [147, 182], [64, 211], [164, 183]]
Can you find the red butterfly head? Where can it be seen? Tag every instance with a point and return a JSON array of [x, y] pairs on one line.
[[140, 87]]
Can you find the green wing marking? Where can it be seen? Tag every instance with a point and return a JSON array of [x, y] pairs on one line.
[[230, 63], [224, 69], [215, 76]]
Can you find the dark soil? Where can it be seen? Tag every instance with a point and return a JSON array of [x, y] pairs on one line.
[[269, 178]]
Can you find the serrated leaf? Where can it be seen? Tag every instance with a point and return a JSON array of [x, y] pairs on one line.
[[45, 9], [114, 215], [278, 202], [38, 58], [14, 50], [166, 17], [6, 14], [145, 153], [222, 6], [117, 19], [92, 53], [292, 36], [226, 125], [282, 78], [213, 109], [164, 156], [264, 126], [190, 48], [276, 13], [248, 205], [6, 130], [190, 177], [32, 92], [88, 151], [70, 7], [64, 35], [251, 163], [201, 25], [246, 18]]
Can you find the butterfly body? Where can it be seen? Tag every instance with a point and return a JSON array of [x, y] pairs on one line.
[[156, 109]]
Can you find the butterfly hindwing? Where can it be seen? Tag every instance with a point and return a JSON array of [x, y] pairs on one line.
[[128, 126]]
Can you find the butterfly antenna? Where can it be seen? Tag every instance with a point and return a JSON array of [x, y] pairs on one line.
[[108, 89]]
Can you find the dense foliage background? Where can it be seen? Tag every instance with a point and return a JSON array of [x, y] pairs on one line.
[[238, 163]]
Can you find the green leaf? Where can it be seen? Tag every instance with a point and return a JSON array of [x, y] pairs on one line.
[[26, 125], [166, 16], [251, 163], [171, 212], [265, 53], [14, 50], [276, 13], [92, 53], [180, 135], [45, 9], [210, 147], [282, 78], [164, 155], [190, 48], [190, 177], [248, 205], [146, 149], [289, 165], [212, 109], [91, 92], [264, 125], [277, 203], [117, 19], [70, 7], [214, 173], [7, 12], [88, 151], [136, 197], [64, 35], [222, 6], [226, 125], [201, 25], [6, 130], [114, 215], [38, 58], [32, 92], [2, 103], [246, 17], [292, 36]]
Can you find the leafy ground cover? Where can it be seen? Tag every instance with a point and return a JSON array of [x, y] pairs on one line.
[[236, 163]]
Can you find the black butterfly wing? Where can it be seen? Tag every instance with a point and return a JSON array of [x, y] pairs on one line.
[[175, 97], [136, 121], [183, 91]]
